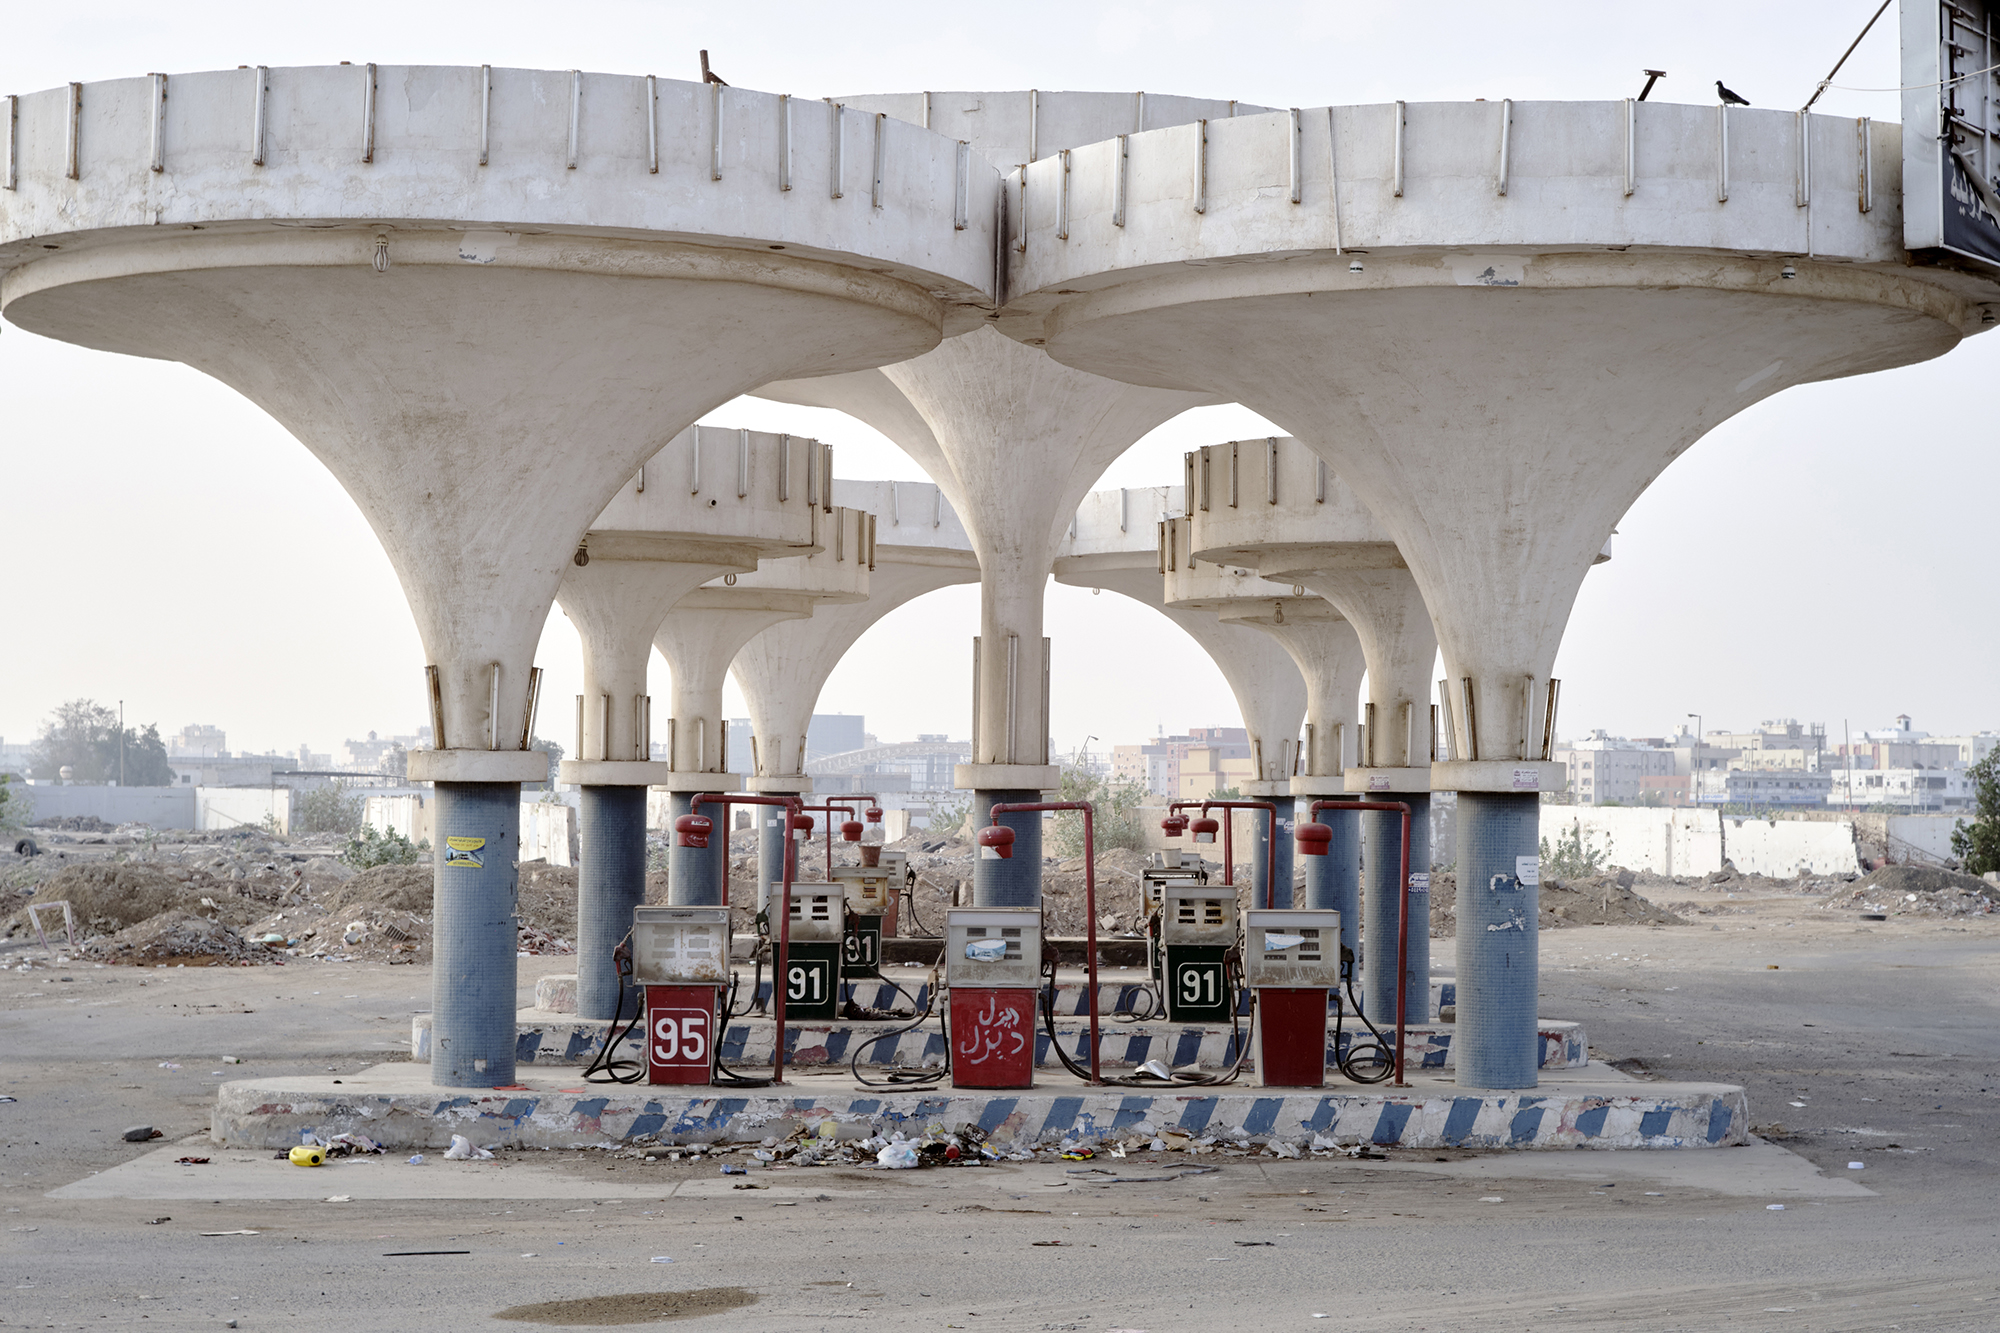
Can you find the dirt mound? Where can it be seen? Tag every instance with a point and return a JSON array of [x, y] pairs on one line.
[[389, 888], [1918, 891], [109, 897], [1599, 900], [76, 824], [174, 936]]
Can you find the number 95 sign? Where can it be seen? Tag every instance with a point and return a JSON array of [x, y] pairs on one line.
[[680, 1030]]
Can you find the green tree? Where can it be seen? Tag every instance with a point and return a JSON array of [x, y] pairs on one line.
[[372, 847], [84, 735], [1572, 857], [1115, 818], [1977, 845], [328, 809], [17, 805]]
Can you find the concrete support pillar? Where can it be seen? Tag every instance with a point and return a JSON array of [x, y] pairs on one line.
[[1014, 881], [476, 933], [1382, 848], [694, 874], [1498, 919], [1279, 794], [610, 882]]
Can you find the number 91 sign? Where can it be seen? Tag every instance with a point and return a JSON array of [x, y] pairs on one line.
[[680, 1031]]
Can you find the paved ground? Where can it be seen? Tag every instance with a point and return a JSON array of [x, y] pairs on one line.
[[1883, 1035]]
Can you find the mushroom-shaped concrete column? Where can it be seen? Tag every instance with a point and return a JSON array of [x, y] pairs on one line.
[[482, 387], [1498, 321], [712, 503], [1328, 655], [702, 636], [1273, 506], [920, 546], [1115, 543], [1015, 441]]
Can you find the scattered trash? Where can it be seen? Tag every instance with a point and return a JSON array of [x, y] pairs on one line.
[[232, 1233], [1774, 1208], [168, 1064], [898, 1155], [417, 1160], [1048, 1242], [406, 1254], [663, 1258], [1156, 1068], [1078, 1154], [1491, 1198], [461, 1150], [232, 1059], [190, 1161], [141, 1133], [340, 1198], [156, 1221], [1248, 1244], [729, 1170], [1656, 1194], [305, 1155], [1857, 1166]]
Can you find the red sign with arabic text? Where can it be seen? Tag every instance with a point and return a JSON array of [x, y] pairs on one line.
[[992, 1038]]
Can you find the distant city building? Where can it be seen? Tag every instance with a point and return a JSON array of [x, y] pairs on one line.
[[198, 741], [1901, 746], [1765, 787], [1186, 767], [1782, 743], [366, 756], [1604, 769], [1916, 789]]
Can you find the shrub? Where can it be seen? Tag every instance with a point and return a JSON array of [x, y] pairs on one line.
[[373, 847]]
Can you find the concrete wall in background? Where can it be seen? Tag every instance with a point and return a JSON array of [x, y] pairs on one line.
[[549, 832], [161, 807], [1665, 842], [224, 808], [409, 816], [1786, 847]]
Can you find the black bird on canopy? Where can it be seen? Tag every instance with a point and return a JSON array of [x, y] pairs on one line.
[[1729, 98]]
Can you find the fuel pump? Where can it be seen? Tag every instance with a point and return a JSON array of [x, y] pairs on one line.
[[1291, 959], [1197, 933], [817, 922], [870, 898], [993, 967], [680, 955]]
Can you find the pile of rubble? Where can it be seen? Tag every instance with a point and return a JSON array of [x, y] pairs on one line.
[[1605, 899], [1920, 891]]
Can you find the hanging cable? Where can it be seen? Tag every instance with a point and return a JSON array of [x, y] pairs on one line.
[[907, 1080], [1384, 1059], [604, 1066]]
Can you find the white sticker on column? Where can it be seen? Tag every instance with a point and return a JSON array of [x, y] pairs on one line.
[[1528, 870], [1527, 779], [1420, 881], [1378, 784]]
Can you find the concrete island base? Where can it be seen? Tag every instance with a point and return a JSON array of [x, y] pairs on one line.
[[396, 1105]]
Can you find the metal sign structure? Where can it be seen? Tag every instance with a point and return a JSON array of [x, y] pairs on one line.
[[1951, 128]]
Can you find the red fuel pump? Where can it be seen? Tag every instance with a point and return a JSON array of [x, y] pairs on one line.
[[1312, 838], [798, 823]]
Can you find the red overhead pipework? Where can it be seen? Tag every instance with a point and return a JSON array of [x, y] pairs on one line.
[[1208, 826], [1174, 825], [1000, 839], [1313, 839], [693, 830]]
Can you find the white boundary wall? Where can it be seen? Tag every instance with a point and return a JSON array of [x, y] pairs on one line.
[[222, 808], [1696, 842]]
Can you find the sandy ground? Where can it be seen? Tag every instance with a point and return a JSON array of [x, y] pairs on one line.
[[1859, 1042]]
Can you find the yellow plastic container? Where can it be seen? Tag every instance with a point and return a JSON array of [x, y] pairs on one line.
[[304, 1156]]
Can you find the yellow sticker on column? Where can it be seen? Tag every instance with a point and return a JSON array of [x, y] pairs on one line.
[[464, 852]]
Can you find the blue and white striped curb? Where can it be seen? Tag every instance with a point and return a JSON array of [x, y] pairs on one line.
[[1571, 1114], [555, 1040]]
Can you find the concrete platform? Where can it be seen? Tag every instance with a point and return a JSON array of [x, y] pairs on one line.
[[396, 1105], [563, 1039]]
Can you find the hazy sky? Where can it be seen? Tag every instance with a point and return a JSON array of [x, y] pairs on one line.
[[1825, 555]]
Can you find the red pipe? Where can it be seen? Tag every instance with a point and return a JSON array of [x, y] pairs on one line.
[[1229, 840], [792, 807], [1402, 916], [1089, 901], [830, 807]]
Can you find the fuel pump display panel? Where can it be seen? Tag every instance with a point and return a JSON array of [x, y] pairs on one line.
[[680, 944], [1291, 947]]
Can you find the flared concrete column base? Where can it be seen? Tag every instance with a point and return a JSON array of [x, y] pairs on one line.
[[612, 772], [1363, 780], [1006, 777], [1497, 775], [478, 766]]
